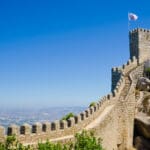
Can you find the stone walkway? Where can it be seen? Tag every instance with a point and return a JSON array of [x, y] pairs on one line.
[[99, 119], [94, 123]]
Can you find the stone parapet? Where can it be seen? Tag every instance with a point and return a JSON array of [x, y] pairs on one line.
[[60, 128], [118, 72]]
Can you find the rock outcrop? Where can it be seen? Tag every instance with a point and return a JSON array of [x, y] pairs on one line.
[[142, 124], [142, 143], [143, 84], [142, 120]]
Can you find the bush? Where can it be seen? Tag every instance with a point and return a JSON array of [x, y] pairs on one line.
[[12, 144], [87, 141], [53, 146], [92, 104], [68, 116], [147, 70], [83, 141]]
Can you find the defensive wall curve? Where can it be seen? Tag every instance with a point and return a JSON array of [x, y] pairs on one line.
[[101, 118]]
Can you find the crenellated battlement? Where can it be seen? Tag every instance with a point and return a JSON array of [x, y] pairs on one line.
[[60, 128], [139, 30], [118, 71], [131, 62]]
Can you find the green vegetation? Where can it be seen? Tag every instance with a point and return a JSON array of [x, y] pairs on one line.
[[83, 141], [92, 104], [68, 116], [12, 144], [87, 141], [52, 146], [147, 70]]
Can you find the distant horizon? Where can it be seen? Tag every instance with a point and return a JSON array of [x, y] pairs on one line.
[[38, 108], [31, 116]]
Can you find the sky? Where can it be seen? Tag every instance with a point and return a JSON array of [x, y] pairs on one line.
[[60, 53]]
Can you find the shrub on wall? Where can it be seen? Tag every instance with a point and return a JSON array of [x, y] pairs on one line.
[[68, 116], [12, 144], [87, 141], [92, 104], [83, 141]]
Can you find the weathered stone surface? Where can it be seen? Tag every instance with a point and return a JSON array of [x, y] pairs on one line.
[[143, 105], [142, 125], [143, 84]]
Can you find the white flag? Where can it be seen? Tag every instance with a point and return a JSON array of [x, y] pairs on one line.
[[132, 16]]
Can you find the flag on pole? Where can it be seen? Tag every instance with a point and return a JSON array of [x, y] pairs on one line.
[[132, 16]]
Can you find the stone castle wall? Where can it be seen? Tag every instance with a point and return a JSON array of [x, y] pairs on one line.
[[102, 118], [115, 76]]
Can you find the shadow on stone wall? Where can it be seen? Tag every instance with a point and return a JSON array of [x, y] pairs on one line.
[[140, 141]]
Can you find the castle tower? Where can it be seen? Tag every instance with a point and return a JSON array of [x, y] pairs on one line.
[[140, 44]]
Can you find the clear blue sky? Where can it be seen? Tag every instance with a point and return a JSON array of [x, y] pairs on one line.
[[60, 52]]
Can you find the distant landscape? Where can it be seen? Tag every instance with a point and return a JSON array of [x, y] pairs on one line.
[[31, 116]]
